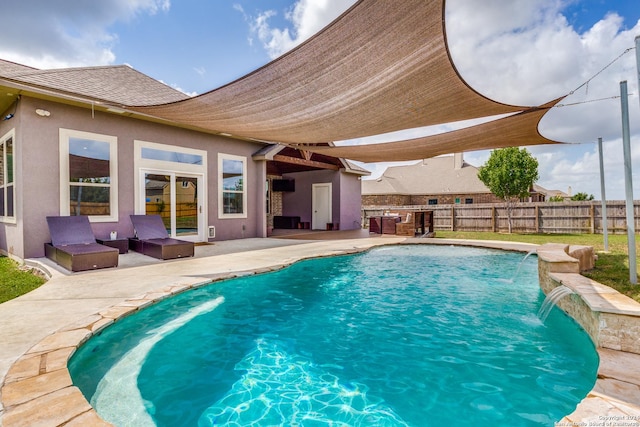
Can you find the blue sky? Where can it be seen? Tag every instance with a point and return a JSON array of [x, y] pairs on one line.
[[514, 51]]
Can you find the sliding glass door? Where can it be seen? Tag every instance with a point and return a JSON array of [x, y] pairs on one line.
[[176, 197]]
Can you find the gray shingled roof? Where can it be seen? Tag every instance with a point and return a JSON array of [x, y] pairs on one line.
[[429, 176], [355, 168], [433, 176], [118, 84], [8, 68]]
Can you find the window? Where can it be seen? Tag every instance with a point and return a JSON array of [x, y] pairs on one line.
[[433, 201], [168, 155], [457, 200], [468, 201], [7, 174], [232, 171], [88, 175]]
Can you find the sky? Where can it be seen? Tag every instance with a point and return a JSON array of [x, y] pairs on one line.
[[523, 52]]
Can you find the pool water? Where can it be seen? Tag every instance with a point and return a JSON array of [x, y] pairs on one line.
[[399, 336]]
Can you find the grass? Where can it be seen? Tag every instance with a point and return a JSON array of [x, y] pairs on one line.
[[15, 281], [612, 267]]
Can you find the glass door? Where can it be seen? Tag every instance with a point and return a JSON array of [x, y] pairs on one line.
[[186, 189], [176, 198]]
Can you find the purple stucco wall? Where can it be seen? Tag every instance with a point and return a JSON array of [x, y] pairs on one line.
[[38, 174], [345, 201], [299, 202], [350, 202]]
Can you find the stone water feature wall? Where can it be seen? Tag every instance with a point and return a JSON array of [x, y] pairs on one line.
[[611, 319]]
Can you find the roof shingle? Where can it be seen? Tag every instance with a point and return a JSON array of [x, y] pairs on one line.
[[118, 84], [429, 176]]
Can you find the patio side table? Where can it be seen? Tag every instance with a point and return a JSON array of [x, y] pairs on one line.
[[121, 244]]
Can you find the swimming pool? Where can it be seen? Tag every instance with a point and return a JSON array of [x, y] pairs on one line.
[[403, 335]]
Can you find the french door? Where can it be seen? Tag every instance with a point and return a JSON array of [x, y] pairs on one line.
[[177, 197]]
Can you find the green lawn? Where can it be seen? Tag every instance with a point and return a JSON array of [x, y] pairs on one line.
[[14, 281], [612, 267]]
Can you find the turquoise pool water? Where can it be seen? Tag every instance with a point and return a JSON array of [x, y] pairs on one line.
[[398, 336]]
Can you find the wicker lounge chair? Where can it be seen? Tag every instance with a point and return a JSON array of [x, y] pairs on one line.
[[74, 247], [152, 239]]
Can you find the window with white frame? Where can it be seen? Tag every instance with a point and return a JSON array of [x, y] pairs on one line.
[[88, 175], [232, 190], [7, 174]]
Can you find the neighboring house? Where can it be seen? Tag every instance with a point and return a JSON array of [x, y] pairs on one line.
[[556, 193], [66, 148], [437, 181]]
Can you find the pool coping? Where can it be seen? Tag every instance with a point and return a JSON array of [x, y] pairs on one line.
[[37, 388]]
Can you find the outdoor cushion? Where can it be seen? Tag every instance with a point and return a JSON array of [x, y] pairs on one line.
[[151, 238], [69, 230], [74, 247], [149, 227]]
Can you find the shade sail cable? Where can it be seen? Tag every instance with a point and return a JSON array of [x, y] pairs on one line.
[[586, 83]]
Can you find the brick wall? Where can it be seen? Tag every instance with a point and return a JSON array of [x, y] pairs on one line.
[[423, 199], [275, 202], [386, 200], [443, 199]]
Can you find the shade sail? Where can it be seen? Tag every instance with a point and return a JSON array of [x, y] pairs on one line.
[[515, 130], [382, 66]]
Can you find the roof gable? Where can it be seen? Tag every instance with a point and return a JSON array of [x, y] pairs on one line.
[[429, 176], [117, 84], [8, 68]]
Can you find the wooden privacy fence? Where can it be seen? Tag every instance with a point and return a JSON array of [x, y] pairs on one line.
[[544, 217]]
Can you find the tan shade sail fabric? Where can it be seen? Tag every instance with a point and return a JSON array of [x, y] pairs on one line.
[[382, 66], [516, 130]]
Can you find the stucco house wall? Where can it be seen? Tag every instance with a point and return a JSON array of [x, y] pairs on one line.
[[81, 148], [345, 200], [350, 204], [37, 160]]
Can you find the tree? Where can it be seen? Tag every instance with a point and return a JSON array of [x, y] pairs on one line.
[[509, 174], [579, 197]]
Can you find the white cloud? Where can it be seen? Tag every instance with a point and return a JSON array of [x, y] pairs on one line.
[[578, 167], [305, 17], [522, 52], [69, 33], [525, 52]]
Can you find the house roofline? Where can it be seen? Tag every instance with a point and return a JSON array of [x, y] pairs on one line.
[[97, 104]]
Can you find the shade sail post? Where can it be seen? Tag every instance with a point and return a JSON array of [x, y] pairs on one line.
[[628, 185], [638, 62], [603, 198]]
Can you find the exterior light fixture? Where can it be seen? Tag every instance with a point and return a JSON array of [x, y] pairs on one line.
[[42, 113]]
